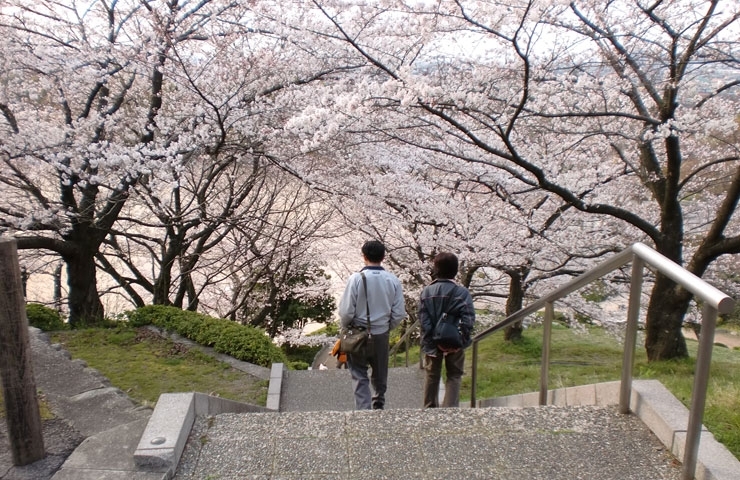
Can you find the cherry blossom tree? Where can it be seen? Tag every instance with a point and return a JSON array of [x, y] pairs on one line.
[[418, 205], [626, 110], [276, 274], [176, 248], [601, 124], [67, 102], [102, 102]]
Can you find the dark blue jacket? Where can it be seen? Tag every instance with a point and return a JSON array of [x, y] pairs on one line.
[[456, 300]]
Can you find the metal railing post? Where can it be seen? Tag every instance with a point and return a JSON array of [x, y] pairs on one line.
[[474, 374], [405, 340], [630, 334], [546, 340], [408, 345], [699, 392]]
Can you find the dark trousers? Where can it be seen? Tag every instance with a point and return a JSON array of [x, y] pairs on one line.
[[454, 364], [376, 359]]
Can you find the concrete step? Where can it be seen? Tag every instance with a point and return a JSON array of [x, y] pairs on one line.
[[109, 455], [317, 435], [219, 439], [533, 443], [315, 390]]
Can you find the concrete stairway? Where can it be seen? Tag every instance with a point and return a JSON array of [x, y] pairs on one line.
[[593, 443], [314, 433]]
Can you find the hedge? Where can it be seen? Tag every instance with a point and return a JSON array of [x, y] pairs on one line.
[[45, 318], [243, 342]]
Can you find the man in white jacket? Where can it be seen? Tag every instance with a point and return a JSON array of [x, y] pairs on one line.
[[385, 304]]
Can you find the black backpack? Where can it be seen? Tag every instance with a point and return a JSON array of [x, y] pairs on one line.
[[446, 333]]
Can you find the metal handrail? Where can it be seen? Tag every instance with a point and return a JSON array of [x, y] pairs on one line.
[[639, 254], [405, 339]]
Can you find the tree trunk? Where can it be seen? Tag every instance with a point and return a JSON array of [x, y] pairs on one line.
[[163, 281], [193, 300], [186, 289], [85, 307], [514, 303], [161, 290], [58, 287], [664, 320], [162, 284], [24, 281]]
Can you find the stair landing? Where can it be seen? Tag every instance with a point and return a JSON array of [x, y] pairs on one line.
[[533, 443]]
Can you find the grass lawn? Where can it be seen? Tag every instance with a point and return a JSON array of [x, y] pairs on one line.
[[144, 365]]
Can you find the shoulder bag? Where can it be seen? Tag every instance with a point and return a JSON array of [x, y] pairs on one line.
[[354, 340]]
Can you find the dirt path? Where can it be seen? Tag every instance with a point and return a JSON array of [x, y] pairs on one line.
[[730, 340]]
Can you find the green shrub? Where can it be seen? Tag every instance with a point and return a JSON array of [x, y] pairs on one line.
[[248, 344], [301, 353], [45, 318], [242, 342], [298, 365], [211, 329], [144, 316]]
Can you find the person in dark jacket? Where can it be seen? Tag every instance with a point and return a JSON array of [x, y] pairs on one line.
[[444, 295]]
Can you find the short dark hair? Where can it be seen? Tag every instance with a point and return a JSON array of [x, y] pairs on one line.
[[445, 265], [374, 251]]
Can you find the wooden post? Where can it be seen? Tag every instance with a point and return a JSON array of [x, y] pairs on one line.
[[19, 387]]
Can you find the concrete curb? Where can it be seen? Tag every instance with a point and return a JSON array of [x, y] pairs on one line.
[[163, 440], [668, 418], [274, 390], [601, 394], [656, 406]]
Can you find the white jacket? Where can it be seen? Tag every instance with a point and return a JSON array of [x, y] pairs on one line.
[[384, 297]]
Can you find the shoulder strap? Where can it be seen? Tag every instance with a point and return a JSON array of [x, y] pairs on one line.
[[367, 303], [446, 302]]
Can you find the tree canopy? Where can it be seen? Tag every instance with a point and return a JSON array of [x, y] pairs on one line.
[[626, 112], [530, 137]]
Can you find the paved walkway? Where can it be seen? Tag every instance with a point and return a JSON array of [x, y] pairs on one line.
[[722, 337]]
